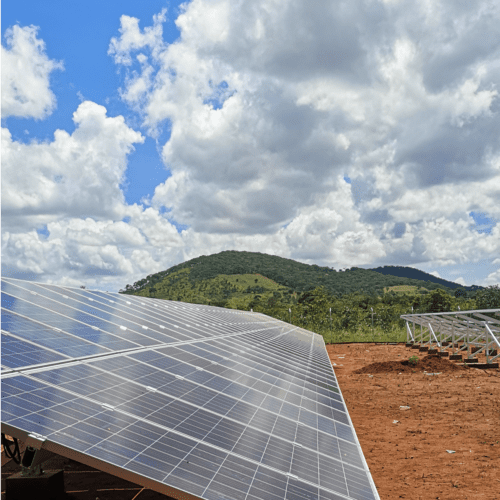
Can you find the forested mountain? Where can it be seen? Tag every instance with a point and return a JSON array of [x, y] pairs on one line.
[[354, 304], [294, 275], [410, 272]]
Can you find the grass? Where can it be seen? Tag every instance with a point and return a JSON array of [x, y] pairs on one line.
[[377, 335], [403, 288], [179, 287]]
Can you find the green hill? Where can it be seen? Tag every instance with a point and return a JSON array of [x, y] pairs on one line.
[[412, 273], [288, 273], [342, 305]]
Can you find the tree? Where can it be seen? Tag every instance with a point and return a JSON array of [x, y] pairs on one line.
[[271, 302], [488, 298], [438, 301]]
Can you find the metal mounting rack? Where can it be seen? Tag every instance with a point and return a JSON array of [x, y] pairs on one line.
[[473, 332]]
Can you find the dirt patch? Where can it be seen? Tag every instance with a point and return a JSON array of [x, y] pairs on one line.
[[430, 364], [407, 420]]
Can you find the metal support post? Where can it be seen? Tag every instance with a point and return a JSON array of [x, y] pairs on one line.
[[467, 340], [441, 335], [453, 337], [409, 336], [431, 335], [487, 342], [495, 341]]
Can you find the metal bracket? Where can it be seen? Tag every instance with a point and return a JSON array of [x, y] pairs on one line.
[[34, 455], [35, 441]]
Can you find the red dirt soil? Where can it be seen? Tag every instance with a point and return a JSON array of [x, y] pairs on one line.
[[458, 410]]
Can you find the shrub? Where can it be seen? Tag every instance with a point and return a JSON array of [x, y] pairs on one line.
[[413, 360]]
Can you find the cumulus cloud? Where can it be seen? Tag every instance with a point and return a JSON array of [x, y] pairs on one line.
[[26, 70], [74, 175], [132, 39], [101, 253], [304, 104], [70, 191], [268, 106]]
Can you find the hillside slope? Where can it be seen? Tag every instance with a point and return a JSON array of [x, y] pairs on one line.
[[412, 273], [294, 276], [352, 305]]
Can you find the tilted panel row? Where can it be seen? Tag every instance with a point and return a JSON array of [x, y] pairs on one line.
[[246, 407]]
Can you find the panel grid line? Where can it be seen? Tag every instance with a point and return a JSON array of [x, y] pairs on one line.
[[167, 430], [132, 350], [173, 385], [176, 398], [295, 437], [265, 449]]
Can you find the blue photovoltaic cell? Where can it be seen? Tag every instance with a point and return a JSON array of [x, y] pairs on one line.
[[242, 406], [99, 308], [69, 345], [66, 318], [18, 353]]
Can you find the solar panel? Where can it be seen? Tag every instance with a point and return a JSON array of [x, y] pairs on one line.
[[189, 400]]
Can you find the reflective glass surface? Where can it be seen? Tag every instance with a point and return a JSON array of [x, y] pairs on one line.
[[217, 403]]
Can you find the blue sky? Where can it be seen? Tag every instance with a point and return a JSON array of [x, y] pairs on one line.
[[78, 34], [137, 135]]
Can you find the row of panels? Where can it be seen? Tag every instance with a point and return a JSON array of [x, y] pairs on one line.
[[18, 353], [74, 321], [258, 368], [116, 435], [231, 405]]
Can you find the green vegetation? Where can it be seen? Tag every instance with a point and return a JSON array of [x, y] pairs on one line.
[[295, 275], [404, 288], [413, 360], [342, 306], [416, 274]]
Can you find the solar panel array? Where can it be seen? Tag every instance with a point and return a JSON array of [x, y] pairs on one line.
[[189, 400]]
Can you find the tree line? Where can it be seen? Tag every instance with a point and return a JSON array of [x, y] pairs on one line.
[[363, 314]]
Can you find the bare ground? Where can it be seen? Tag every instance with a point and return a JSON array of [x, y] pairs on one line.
[[406, 449]]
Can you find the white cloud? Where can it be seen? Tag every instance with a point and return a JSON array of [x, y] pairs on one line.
[[105, 253], [26, 71], [74, 175], [132, 39], [269, 105], [300, 109], [492, 279], [72, 187]]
